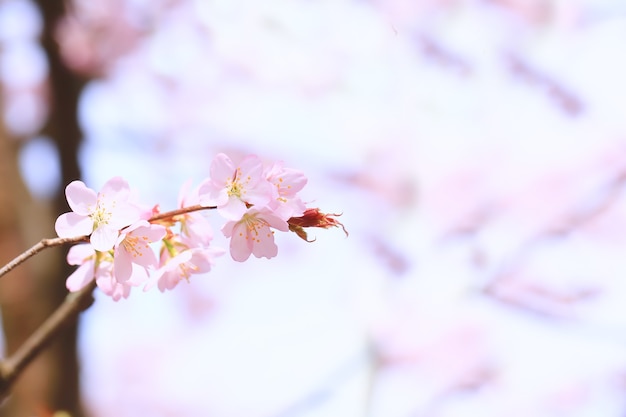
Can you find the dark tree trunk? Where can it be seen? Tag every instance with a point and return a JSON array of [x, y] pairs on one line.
[[31, 292]]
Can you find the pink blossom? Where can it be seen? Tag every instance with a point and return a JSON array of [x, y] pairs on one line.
[[111, 286], [252, 234], [287, 182], [133, 248], [100, 215], [99, 266], [181, 266], [233, 188], [85, 256], [194, 227]]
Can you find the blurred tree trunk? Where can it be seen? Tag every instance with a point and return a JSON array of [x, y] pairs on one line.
[[28, 293], [31, 292]]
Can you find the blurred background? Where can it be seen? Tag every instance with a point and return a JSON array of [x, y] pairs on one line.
[[477, 151]]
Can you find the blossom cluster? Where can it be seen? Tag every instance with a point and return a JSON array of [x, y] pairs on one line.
[[128, 244]]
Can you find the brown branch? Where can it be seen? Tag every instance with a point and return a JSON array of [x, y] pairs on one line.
[[67, 312], [44, 243], [184, 210], [48, 243]]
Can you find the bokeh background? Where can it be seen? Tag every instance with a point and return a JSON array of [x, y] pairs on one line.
[[477, 151]]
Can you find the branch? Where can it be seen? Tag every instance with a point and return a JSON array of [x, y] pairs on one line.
[[173, 213], [13, 366], [48, 243], [44, 243]]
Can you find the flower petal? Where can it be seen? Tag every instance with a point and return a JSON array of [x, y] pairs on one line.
[[123, 214], [81, 277], [103, 238], [73, 225], [115, 189], [122, 265], [80, 198], [240, 243], [264, 245], [78, 254], [210, 194], [251, 167], [259, 195], [222, 169], [274, 221], [233, 209]]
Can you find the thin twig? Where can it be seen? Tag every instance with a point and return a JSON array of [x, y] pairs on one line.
[[48, 243], [44, 243], [185, 210], [13, 366]]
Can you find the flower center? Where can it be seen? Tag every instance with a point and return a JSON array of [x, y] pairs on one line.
[[253, 225], [236, 187], [100, 216], [134, 245], [186, 270]]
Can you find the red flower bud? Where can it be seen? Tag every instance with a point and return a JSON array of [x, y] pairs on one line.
[[313, 217]]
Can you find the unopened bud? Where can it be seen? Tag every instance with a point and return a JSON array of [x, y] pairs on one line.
[[313, 217]]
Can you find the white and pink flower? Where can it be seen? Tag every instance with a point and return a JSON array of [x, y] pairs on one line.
[[232, 189], [255, 200], [252, 234], [100, 266], [286, 184], [194, 227], [182, 266], [133, 247], [100, 215]]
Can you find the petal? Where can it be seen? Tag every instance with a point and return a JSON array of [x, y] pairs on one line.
[[80, 198], [78, 254], [81, 277], [222, 169], [260, 194], [273, 220], [103, 238], [115, 189], [73, 225], [183, 194], [228, 228], [251, 167], [197, 229], [233, 209], [122, 265], [154, 279], [154, 232], [123, 214], [139, 276], [288, 209], [211, 194], [134, 226], [112, 288], [292, 182], [203, 258], [168, 280], [240, 243], [264, 245], [147, 258]]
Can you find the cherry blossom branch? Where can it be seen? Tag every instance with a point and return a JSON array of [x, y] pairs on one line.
[[13, 366], [43, 244], [119, 235], [48, 243], [184, 210], [74, 303]]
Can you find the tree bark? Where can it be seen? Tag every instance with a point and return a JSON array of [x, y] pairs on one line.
[[30, 293], [25, 293]]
